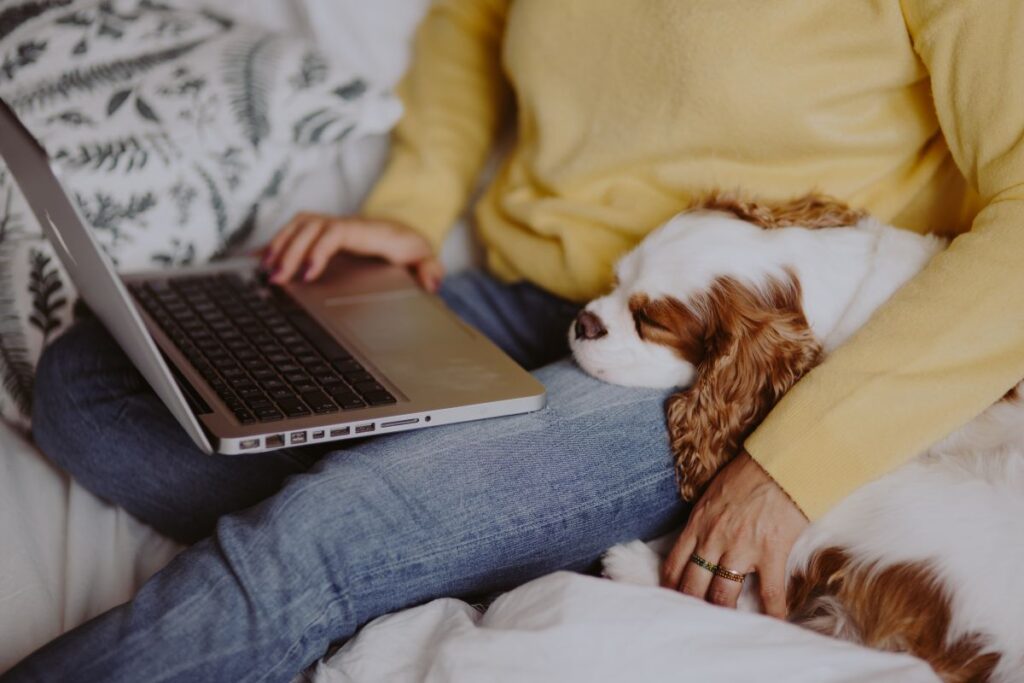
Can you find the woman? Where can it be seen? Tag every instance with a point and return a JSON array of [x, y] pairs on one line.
[[912, 109]]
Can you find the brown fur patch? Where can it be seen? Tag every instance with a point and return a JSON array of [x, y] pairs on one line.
[[809, 211], [669, 322], [752, 346], [1013, 394], [898, 608]]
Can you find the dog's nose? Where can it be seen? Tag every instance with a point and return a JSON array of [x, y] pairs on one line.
[[589, 326]]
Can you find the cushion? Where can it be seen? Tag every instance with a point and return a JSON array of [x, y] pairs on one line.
[[176, 131]]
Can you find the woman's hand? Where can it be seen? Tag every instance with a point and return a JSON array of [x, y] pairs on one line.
[[308, 242], [744, 522]]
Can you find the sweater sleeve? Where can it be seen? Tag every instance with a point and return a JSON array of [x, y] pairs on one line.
[[951, 342], [454, 95]]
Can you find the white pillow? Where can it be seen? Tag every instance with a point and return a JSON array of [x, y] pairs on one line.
[[174, 130]]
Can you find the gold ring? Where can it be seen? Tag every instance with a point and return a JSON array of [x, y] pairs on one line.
[[703, 564], [730, 574]]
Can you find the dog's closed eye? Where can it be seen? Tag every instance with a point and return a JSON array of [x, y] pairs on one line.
[[643, 319]]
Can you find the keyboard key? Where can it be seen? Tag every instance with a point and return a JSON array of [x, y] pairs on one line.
[[269, 415], [351, 402], [379, 398], [319, 369], [292, 407], [319, 337], [367, 387], [360, 376], [347, 365], [318, 401], [232, 372], [282, 393], [256, 402]]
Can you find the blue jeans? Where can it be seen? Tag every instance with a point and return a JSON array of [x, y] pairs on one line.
[[299, 548]]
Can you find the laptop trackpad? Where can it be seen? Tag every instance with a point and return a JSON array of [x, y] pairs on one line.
[[398, 322]]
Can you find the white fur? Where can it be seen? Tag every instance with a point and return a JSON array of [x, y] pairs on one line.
[[846, 273], [959, 506]]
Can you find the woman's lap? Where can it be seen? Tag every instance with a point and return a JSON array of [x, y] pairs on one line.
[[390, 522], [98, 418]]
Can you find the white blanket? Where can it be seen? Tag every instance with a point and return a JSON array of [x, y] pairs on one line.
[[566, 627], [65, 556]]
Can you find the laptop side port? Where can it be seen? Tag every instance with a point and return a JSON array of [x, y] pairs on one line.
[[249, 444], [363, 429], [340, 431], [399, 423], [298, 437], [318, 434], [275, 441]]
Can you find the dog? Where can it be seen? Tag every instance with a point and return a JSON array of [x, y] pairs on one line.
[[734, 300]]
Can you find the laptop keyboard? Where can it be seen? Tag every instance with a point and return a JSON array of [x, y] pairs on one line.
[[265, 357]]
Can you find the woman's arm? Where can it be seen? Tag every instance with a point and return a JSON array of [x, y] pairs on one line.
[[951, 342], [947, 346], [455, 96]]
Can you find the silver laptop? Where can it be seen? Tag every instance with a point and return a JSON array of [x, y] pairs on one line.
[[246, 368]]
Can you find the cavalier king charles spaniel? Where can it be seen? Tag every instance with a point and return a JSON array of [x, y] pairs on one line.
[[732, 302]]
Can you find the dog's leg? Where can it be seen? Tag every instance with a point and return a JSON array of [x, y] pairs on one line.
[[634, 562]]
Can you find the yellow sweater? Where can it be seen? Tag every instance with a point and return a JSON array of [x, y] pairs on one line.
[[627, 110]]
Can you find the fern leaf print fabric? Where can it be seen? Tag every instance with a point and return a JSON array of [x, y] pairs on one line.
[[173, 130]]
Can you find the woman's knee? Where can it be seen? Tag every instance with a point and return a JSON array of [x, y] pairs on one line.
[[80, 379]]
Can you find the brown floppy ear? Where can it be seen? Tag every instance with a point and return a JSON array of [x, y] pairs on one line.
[[757, 344]]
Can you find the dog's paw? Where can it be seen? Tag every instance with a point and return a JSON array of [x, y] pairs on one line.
[[632, 562]]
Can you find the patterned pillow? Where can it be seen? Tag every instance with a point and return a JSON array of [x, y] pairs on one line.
[[174, 131]]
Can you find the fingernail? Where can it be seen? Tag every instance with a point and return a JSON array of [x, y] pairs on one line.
[[304, 272], [307, 275], [275, 275]]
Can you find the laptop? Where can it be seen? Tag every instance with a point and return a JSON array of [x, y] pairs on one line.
[[246, 367]]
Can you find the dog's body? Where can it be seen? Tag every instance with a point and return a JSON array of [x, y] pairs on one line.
[[733, 303]]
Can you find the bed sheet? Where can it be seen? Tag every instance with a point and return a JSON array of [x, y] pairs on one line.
[[65, 556], [68, 556], [568, 627]]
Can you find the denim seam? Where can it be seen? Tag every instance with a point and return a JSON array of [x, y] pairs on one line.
[[319, 618]]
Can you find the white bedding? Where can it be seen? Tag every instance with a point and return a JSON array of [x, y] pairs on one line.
[[66, 556], [566, 627]]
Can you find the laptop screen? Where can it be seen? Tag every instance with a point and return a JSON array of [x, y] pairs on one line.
[[88, 265]]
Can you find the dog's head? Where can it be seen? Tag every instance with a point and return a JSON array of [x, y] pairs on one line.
[[708, 303]]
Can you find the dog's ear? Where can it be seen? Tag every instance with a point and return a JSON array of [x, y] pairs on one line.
[[757, 344]]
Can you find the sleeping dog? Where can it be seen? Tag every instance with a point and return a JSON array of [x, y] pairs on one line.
[[731, 303]]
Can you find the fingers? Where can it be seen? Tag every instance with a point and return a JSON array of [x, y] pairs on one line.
[[319, 255], [696, 580], [273, 251], [309, 242], [678, 557], [772, 576], [723, 591], [293, 257], [429, 273]]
